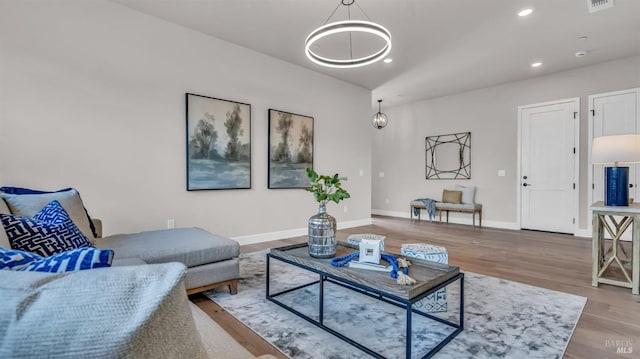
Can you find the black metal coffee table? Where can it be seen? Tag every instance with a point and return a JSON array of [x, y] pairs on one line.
[[430, 277]]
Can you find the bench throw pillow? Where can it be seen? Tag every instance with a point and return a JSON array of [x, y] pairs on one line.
[[23, 203], [468, 194], [68, 261], [50, 231], [451, 196]]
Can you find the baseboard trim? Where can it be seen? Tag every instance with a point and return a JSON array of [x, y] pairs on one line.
[[270, 236], [355, 223], [456, 220], [583, 233], [390, 213], [296, 232]]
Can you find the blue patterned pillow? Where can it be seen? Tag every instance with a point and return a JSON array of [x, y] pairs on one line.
[[73, 260], [11, 259], [50, 231]]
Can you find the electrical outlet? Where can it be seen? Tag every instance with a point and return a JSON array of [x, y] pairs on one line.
[[361, 173], [171, 223], [380, 174], [502, 173], [386, 201], [346, 209]]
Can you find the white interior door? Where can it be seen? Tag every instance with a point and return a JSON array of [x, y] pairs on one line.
[[547, 173]]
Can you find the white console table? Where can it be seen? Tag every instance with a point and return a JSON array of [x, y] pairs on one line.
[[603, 219]]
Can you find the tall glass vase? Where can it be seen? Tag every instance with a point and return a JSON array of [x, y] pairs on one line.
[[322, 234]]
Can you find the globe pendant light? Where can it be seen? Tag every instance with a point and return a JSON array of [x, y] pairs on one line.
[[379, 119], [349, 26]]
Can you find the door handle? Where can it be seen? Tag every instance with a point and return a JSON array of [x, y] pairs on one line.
[[630, 185], [524, 177], [525, 184]]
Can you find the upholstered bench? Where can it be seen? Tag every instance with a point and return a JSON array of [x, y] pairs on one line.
[[462, 199], [437, 301], [472, 208]]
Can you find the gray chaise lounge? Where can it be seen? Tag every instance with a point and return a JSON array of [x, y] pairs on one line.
[[211, 260]]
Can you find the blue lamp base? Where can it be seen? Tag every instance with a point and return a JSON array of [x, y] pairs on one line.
[[617, 186]]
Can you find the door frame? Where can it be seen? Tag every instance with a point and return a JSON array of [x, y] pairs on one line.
[[590, 140], [576, 158]]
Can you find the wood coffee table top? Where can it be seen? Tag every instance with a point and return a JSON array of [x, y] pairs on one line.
[[427, 274]]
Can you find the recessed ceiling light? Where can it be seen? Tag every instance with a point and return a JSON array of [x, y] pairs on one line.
[[388, 60], [536, 64], [525, 12]]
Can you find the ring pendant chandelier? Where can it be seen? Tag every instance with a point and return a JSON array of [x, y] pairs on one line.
[[349, 26]]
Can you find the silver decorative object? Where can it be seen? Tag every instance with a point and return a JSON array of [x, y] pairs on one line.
[[322, 234]]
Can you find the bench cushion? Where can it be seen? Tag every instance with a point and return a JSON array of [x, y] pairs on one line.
[[190, 246], [417, 204], [450, 206], [455, 206]]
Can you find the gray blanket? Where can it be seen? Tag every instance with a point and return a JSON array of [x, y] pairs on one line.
[[429, 204], [119, 312]]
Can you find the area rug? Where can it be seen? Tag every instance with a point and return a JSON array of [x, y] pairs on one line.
[[503, 319]]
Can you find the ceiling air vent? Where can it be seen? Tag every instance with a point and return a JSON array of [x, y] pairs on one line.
[[598, 5]]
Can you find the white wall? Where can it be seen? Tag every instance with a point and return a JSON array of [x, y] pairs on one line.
[[491, 116], [92, 96]]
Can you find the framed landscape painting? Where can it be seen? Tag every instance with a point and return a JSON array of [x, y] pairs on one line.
[[218, 143], [290, 149]]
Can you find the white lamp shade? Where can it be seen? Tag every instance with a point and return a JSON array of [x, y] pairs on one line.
[[616, 149]]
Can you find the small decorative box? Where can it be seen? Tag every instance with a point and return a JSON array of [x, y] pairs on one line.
[[428, 252], [436, 302], [356, 238]]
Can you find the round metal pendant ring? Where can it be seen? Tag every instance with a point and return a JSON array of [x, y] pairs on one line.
[[348, 26]]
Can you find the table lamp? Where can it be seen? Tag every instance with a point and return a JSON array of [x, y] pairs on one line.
[[615, 150]]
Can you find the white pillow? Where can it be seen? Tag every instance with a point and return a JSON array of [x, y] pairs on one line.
[[468, 194]]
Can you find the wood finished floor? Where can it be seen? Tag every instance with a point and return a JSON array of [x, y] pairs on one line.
[[548, 260]]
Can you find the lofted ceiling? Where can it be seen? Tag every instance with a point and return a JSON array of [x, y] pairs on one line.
[[440, 47]]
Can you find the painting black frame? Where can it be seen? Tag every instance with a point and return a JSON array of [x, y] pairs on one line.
[[432, 172], [242, 150], [300, 172]]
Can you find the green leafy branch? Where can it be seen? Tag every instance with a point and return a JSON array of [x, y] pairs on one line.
[[326, 188]]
